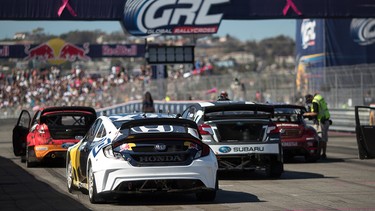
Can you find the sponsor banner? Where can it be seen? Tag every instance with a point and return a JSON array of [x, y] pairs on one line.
[[310, 40], [57, 51], [234, 9], [232, 149], [142, 17], [350, 41], [334, 42], [146, 17]]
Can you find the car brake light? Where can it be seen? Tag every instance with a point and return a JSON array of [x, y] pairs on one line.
[[41, 129], [109, 153], [203, 152], [205, 129]]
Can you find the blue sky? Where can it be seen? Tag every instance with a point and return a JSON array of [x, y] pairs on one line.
[[242, 29]]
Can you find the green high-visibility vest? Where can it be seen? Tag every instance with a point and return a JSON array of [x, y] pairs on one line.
[[322, 106]]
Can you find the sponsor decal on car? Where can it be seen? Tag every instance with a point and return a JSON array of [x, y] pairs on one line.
[[224, 149], [160, 158], [127, 147], [191, 145], [246, 148], [95, 151]]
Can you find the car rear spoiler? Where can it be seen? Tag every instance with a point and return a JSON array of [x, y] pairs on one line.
[[303, 108], [70, 108], [241, 107], [159, 121]]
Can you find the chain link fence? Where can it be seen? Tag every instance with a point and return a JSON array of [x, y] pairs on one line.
[[342, 87]]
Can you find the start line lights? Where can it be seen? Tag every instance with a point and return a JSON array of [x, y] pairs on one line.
[[170, 54]]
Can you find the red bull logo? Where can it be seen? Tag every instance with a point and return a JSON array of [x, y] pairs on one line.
[[41, 52], [57, 51], [72, 52]]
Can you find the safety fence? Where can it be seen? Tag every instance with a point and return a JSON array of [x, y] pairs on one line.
[[342, 87]]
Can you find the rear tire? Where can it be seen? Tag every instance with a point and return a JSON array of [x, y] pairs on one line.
[[70, 177], [311, 158], [208, 195], [274, 169], [23, 158], [93, 194], [30, 157]]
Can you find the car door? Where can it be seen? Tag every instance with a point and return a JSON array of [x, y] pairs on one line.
[[365, 131], [89, 142], [20, 131], [33, 129]]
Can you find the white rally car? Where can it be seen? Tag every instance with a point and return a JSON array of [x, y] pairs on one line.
[[241, 134], [142, 153]]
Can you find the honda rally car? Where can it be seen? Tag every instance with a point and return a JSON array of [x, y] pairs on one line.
[[142, 153]]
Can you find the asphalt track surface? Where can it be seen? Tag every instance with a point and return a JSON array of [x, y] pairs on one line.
[[342, 182]]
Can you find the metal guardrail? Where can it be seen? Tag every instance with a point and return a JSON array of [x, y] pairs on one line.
[[343, 119]]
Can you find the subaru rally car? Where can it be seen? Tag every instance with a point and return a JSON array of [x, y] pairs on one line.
[[241, 134], [50, 132], [297, 137], [142, 153]]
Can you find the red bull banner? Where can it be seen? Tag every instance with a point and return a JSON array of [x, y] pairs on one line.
[[57, 51]]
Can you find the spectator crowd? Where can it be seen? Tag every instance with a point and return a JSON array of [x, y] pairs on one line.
[[30, 89]]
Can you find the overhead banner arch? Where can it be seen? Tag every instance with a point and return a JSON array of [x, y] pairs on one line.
[[146, 17]]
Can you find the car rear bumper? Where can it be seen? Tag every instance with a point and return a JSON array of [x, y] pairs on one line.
[[119, 176], [50, 151]]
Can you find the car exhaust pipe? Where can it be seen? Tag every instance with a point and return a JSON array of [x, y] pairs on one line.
[[53, 155]]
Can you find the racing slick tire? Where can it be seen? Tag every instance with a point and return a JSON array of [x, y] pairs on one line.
[[274, 169], [93, 194], [70, 177], [30, 157], [23, 158], [208, 195]]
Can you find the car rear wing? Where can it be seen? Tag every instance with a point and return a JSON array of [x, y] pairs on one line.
[[159, 121], [185, 124], [70, 108], [241, 107], [259, 110], [302, 108], [290, 106]]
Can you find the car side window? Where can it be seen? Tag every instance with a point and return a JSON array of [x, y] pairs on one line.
[[34, 121], [92, 132], [101, 131], [190, 113]]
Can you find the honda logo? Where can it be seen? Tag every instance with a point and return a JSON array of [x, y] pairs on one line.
[[160, 147]]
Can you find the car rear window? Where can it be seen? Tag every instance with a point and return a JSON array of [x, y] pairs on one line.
[[67, 120], [291, 115], [161, 129]]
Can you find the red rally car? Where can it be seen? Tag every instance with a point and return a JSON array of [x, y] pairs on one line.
[[50, 132], [297, 137]]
